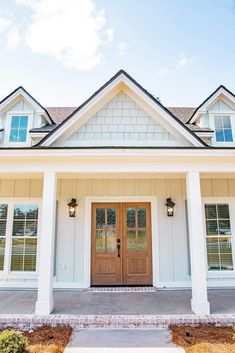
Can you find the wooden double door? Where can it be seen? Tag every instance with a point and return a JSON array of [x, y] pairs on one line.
[[121, 244]]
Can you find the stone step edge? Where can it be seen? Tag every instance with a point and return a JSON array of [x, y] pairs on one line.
[[24, 322]]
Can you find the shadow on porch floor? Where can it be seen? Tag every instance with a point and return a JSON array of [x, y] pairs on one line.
[[87, 303]]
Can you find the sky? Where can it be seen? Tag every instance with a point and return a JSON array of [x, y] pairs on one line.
[[61, 51]]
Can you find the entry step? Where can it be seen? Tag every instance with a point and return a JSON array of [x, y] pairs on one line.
[[122, 289]]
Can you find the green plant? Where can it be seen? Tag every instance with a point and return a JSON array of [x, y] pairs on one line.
[[12, 341]]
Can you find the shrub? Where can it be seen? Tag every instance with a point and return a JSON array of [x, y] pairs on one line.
[[12, 341]]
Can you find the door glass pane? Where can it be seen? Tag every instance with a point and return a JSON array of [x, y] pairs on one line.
[[111, 216], [141, 217], [100, 217], [100, 241], [130, 217], [131, 241], [111, 240], [142, 240]]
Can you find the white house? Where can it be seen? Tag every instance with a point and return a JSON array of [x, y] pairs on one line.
[[154, 188]]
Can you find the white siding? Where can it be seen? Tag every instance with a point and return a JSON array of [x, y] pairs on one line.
[[173, 243], [121, 122]]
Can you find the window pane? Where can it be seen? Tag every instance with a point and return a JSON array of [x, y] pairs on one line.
[[3, 225], [23, 122], [228, 135], [100, 217], [18, 229], [14, 136], [226, 261], [131, 241], [141, 217], [219, 135], [22, 135], [2, 253], [226, 122], [211, 228], [213, 254], [224, 227], [30, 255], [3, 211], [15, 122], [17, 257], [223, 211], [130, 216], [210, 211]]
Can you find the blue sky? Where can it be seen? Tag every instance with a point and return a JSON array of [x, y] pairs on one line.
[[62, 51]]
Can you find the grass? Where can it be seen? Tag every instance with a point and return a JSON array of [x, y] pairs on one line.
[[204, 339]]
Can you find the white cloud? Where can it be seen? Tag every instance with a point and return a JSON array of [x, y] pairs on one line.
[[4, 24], [122, 46], [184, 61], [13, 37], [71, 31], [163, 72]]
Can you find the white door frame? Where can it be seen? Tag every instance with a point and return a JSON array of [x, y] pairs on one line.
[[154, 227]]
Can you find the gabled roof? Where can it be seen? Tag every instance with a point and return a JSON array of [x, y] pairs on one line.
[[220, 88], [21, 88], [92, 97]]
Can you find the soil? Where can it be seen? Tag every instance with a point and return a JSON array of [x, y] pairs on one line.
[[188, 336], [46, 335]]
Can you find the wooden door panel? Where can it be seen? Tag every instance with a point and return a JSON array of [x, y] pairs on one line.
[[106, 265], [127, 224], [137, 247]]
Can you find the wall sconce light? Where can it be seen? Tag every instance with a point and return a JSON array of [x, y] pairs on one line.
[[170, 207], [72, 207]]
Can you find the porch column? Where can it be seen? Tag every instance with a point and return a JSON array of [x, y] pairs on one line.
[[44, 304], [199, 301]]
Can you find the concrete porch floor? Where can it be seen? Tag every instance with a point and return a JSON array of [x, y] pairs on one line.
[[161, 302]]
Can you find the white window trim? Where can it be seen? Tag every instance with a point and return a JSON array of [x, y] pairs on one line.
[[212, 126], [231, 202], [6, 272], [8, 128]]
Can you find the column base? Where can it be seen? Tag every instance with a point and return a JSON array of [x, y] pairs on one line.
[[200, 308], [44, 308]]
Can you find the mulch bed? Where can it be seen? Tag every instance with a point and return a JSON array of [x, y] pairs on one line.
[[188, 336], [46, 335]]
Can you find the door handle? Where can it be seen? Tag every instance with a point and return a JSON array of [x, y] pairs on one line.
[[118, 246]]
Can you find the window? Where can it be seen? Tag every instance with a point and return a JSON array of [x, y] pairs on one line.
[[18, 129], [24, 238], [223, 129], [3, 226], [218, 237]]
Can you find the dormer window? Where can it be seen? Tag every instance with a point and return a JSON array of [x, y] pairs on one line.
[[18, 128], [223, 128]]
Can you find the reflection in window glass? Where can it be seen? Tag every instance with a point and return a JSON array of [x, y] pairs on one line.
[[218, 237], [106, 230], [3, 224], [18, 129], [24, 238], [223, 129]]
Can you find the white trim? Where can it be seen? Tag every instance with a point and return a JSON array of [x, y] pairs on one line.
[[87, 230], [212, 116], [231, 202], [9, 116]]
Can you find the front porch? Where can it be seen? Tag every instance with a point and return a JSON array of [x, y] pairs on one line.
[[85, 302]]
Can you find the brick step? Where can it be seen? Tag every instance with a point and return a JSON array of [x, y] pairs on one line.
[[24, 322]]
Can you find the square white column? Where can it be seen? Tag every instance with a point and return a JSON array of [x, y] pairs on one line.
[[199, 302], [44, 304]]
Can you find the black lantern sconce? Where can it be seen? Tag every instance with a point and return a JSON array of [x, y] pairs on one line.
[[72, 207], [170, 207]]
